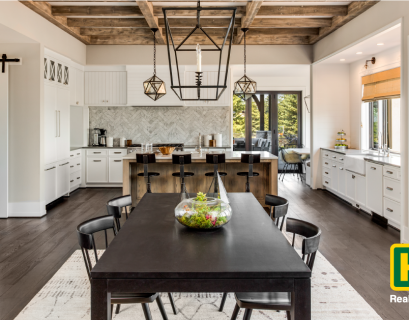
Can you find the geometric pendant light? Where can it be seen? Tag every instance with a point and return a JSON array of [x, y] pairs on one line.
[[245, 87], [154, 87]]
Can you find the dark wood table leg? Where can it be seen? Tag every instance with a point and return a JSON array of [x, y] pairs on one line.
[[100, 300], [302, 303]]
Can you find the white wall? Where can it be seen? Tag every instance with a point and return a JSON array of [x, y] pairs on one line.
[[25, 21], [330, 111], [385, 60]]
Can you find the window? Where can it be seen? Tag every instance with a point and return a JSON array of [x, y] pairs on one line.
[[384, 124]]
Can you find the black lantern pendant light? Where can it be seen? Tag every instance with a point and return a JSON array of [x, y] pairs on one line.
[[245, 87], [154, 87]]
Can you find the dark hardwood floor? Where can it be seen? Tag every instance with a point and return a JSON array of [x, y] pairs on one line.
[[32, 250]]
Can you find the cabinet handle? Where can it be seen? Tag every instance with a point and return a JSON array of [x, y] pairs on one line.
[[326, 172], [78, 178], [64, 164], [71, 155], [326, 162], [334, 166], [390, 172], [117, 160], [334, 157], [326, 182], [388, 209], [341, 168], [117, 152], [373, 168], [342, 159], [78, 164], [78, 154], [96, 152], [326, 155], [77, 102], [389, 188], [49, 169], [353, 177], [97, 160], [71, 166], [71, 180]]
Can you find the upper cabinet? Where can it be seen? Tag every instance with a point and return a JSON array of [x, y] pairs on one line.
[[57, 69], [77, 86], [105, 88]]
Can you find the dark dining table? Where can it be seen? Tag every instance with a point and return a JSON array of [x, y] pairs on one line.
[[155, 253]]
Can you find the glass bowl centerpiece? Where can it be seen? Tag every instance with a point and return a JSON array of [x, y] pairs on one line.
[[203, 213]]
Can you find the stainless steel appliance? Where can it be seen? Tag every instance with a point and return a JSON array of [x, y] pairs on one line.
[[155, 146], [103, 138], [94, 137]]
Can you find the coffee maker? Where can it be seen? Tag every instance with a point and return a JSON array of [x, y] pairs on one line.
[[103, 138], [95, 134]]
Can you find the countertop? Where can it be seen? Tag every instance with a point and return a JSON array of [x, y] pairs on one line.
[[230, 155], [204, 147], [96, 147], [392, 160]]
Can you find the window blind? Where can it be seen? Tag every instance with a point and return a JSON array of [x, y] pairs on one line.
[[381, 85]]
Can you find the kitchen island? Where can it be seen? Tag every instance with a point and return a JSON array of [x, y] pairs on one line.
[[265, 183]]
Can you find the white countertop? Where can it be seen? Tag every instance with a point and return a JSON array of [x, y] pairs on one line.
[[392, 160], [230, 155]]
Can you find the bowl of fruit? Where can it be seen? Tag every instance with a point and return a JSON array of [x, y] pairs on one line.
[[203, 213], [341, 146]]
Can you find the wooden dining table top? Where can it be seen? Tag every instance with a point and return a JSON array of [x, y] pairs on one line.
[[153, 245]]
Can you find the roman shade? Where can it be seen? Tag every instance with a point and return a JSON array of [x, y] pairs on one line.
[[381, 85]]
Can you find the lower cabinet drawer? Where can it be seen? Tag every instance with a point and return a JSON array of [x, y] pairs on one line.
[[326, 172], [326, 182], [75, 165], [326, 163], [391, 189], [391, 210], [75, 179], [391, 172]]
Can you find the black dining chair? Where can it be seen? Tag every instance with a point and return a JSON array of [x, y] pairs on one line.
[[85, 232], [278, 209], [251, 159], [181, 160], [281, 300], [215, 159], [145, 159], [115, 207]]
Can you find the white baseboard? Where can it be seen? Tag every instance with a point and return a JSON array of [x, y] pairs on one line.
[[27, 209]]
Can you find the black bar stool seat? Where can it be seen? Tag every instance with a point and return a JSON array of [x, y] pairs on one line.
[[211, 174], [251, 159], [187, 174], [145, 159], [245, 174], [181, 159], [150, 174]]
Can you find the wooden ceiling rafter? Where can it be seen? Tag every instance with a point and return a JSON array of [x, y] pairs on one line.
[[251, 11], [146, 8]]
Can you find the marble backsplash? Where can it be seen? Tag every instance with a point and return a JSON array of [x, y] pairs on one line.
[[162, 124]]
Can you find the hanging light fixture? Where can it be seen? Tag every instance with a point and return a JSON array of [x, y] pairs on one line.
[[215, 90], [154, 87], [245, 87]]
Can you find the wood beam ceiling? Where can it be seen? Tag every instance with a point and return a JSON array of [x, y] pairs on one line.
[[130, 24]]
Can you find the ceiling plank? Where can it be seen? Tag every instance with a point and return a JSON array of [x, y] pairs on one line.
[[69, 11], [291, 23], [252, 9], [354, 10], [157, 10], [108, 22], [44, 10], [282, 31], [115, 31], [299, 11], [191, 23], [147, 11]]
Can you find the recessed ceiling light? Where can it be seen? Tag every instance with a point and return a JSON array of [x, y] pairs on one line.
[[380, 44], [359, 52], [341, 59]]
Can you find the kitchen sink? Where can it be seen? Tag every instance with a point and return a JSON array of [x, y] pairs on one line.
[[355, 163]]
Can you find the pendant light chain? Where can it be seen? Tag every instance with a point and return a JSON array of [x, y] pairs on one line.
[[154, 53]]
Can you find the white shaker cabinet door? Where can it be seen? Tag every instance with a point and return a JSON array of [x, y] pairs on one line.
[[350, 185], [374, 181], [360, 190], [97, 169], [79, 85], [50, 183], [334, 175], [95, 88], [63, 177], [63, 114], [115, 170], [50, 124], [341, 180], [73, 87]]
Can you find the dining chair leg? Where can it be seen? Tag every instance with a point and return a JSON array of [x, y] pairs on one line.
[[247, 314], [235, 312], [288, 315], [118, 306], [146, 311], [223, 301], [172, 303], [161, 308]]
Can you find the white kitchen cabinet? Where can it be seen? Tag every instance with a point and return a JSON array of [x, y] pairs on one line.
[[115, 170], [360, 190], [350, 185], [391, 189], [63, 176], [391, 211], [341, 180], [97, 169], [50, 183], [50, 124], [63, 135], [334, 175], [77, 87], [374, 180], [105, 88]]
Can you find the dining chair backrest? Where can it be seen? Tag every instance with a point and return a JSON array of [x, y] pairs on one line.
[[120, 202], [311, 241], [278, 208], [86, 240], [116, 213], [290, 156]]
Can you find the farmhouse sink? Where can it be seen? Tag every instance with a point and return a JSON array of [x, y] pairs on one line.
[[355, 163]]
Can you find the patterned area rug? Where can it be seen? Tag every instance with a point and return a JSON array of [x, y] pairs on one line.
[[67, 296]]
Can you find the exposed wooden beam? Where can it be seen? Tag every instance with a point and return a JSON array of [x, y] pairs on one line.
[[319, 11], [69, 11], [282, 31], [252, 9], [191, 23], [176, 32], [44, 10], [354, 10], [205, 13], [291, 23], [108, 22], [147, 11], [277, 39]]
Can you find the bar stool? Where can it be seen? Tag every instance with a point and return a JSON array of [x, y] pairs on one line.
[[145, 159], [181, 160], [215, 159], [250, 159]]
